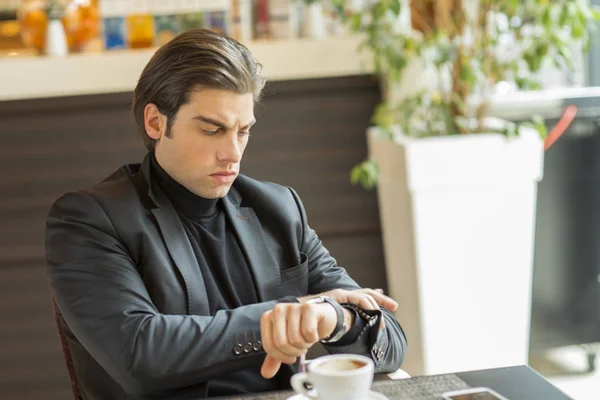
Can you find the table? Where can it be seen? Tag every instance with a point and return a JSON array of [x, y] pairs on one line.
[[515, 383]]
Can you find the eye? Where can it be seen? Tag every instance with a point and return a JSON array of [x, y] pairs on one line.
[[244, 133], [210, 133]]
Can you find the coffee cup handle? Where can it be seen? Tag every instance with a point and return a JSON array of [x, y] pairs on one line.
[[299, 382]]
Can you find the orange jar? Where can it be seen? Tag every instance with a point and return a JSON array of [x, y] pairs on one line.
[[81, 22]]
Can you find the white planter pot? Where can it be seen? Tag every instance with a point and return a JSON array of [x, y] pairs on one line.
[[458, 219]]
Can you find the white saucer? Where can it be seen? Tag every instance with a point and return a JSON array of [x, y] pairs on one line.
[[372, 396]]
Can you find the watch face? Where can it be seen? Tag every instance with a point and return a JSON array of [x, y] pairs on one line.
[[319, 299]]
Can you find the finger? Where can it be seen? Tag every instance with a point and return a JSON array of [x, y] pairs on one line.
[[266, 330], [265, 333], [340, 295], [379, 291], [368, 302], [362, 300], [294, 333], [375, 292], [309, 324], [270, 367], [280, 318], [382, 300], [386, 302], [372, 301]]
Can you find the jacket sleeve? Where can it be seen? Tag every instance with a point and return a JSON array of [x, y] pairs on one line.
[[104, 302], [386, 347]]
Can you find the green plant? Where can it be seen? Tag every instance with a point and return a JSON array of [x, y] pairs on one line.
[[466, 47]]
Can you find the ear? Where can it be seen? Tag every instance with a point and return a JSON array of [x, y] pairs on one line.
[[154, 122]]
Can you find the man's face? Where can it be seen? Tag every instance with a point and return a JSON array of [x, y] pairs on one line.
[[208, 138]]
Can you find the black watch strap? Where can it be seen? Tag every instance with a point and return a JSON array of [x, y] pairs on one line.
[[338, 332]]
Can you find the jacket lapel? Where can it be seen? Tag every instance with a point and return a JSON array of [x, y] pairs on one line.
[[259, 256], [179, 246], [182, 253]]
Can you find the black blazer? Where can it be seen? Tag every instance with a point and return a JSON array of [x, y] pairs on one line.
[[133, 303]]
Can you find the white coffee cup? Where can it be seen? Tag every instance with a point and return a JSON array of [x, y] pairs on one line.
[[336, 377]]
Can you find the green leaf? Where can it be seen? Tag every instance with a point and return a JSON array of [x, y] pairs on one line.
[[596, 13], [564, 16], [383, 116], [395, 6], [526, 83], [356, 173], [541, 50], [444, 54], [558, 62], [458, 102], [397, 60], [534, 62], [547, 19], [365, 174], [566, 55], [410, 47], [385, 133], [379, 10], [339, 7], [578, 29], [446, 115], [586, 44], [468, 75], [355, 21], [511, 130], [540, 125]]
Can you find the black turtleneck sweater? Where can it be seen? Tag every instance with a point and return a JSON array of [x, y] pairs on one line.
[[227, 276]]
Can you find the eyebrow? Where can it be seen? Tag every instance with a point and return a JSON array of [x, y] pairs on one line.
[[220, 124]]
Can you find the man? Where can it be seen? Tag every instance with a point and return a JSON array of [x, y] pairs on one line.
[[181, 279]]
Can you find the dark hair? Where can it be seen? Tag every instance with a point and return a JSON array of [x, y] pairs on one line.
[[198, 58]]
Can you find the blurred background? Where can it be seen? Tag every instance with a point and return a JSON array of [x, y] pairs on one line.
[[67, 70]]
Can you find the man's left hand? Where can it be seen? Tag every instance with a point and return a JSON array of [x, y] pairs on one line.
[[367, 299]]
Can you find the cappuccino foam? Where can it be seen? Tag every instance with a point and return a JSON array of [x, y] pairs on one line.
[[341, 365]]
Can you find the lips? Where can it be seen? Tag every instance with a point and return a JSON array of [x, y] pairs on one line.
[[224, 177]]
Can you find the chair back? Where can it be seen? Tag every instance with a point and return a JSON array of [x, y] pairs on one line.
[[66, 353]]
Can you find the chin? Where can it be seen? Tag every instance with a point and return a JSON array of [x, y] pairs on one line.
[[221, 192], [211, 191]]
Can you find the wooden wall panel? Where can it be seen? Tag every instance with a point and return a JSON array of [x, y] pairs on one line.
[[310, 133]]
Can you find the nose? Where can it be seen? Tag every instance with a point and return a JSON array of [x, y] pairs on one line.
[[229, 149]]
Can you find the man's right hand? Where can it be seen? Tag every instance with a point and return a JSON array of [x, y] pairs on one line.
[[290, 329]]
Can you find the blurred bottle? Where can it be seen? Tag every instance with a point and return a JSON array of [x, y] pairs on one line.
[[114, 32], [313, 21], [261, 20], [280, 15], [140, 31], [217, 21], [56, 39], [167, 27], [236, 19], [140, 25], [190, 20], [81, 22]]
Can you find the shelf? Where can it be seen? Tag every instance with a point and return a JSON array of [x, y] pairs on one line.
[[118, 71]]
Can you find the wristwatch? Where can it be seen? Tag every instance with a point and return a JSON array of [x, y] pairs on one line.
[[339, 330]]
